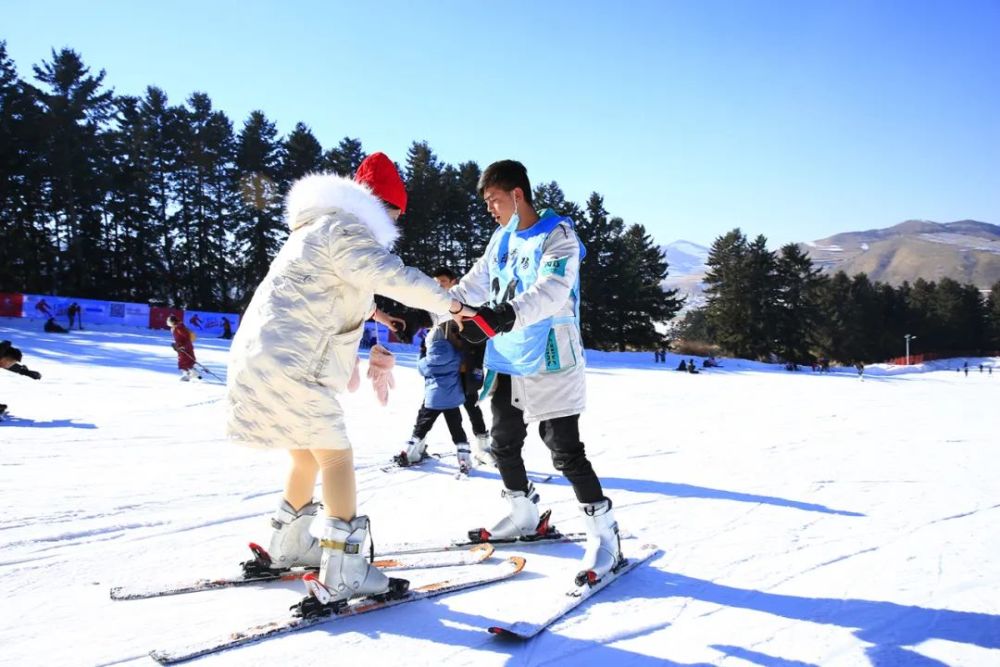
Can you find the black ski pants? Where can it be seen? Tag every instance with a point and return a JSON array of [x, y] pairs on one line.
[[561, 436], [475, 414], [427, 416]]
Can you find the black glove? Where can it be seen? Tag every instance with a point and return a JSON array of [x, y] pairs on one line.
[[173, 346], [415, 321], [488, 322]]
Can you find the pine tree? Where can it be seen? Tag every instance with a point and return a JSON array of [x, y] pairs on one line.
[[260, 227], [993, 318], [422, 242], [345, 158], [130, 206], [642, 302], [303, 154], [209, 152], [727, 306], [797, 283], [473, 224], [599, 274], [161, 154], [74, 108], [27, 256]]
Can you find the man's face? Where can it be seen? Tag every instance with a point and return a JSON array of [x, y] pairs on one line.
[[500, 203], [445, 282], [6, 362]]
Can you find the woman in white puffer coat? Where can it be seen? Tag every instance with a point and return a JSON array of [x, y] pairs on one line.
[[296, 350]]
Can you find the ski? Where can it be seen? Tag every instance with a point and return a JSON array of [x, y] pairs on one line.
[[397, 461], [473, 577], [552, 537], [470, 556], [573, 598], [397, 465]]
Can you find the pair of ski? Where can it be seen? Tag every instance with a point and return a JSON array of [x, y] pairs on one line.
[[480, 575], [399, 463], [405, 556]]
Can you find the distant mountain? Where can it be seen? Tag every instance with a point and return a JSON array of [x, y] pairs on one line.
[[967, 251], [686, 269], [685, 258]]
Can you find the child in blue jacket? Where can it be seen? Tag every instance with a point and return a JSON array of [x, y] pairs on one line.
[[443, 394]]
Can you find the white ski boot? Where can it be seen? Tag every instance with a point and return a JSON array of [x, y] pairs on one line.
[[523, 520], [484, 453], [292, 545], [603, 551], [464, 453], [345, 571], [415, 452]]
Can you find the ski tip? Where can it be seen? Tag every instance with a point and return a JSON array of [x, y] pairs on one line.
[[498, 631], [483, 550], [517, 562]]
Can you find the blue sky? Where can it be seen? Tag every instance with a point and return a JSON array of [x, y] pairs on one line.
[[795, 120]]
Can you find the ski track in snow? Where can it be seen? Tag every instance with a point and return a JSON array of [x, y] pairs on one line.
[[803, 519]]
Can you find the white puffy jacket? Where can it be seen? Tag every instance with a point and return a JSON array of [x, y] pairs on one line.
[[545, 395], [297, 343]]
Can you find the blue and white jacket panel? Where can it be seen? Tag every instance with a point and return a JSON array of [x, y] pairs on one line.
[[537, 272]]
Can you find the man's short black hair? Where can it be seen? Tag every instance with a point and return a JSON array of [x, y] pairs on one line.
[[506, 175], [444, 271], [11, 352]]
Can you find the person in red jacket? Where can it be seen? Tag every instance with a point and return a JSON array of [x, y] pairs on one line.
[[184, 345]]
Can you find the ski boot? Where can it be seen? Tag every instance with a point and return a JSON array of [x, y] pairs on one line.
[[483, 452], [292, 545], [603, 551], [464, 453], [345, 572], [415, 452], [523, 522]]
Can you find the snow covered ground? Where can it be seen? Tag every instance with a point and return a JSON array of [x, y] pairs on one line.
[[804, 519]]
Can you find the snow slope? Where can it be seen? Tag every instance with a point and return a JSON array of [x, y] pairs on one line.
[[804, 519]]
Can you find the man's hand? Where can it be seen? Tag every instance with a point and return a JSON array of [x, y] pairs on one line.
[[488, 322]]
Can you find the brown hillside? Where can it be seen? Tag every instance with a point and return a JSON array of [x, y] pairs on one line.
[[967, 251]]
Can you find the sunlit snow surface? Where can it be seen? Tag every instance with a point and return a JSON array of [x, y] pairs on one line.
[[804, 519]]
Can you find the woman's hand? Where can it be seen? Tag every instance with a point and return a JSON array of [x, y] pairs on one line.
[[459, 311]]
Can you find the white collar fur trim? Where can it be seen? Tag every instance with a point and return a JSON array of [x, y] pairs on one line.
[[315, 194]]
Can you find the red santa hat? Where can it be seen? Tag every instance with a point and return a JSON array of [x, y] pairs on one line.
[[379, 173]]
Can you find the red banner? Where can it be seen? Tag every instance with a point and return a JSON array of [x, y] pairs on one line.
[[11, 304]]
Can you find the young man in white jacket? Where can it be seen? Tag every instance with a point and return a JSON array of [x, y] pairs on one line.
[[526, 290], [296, 351]]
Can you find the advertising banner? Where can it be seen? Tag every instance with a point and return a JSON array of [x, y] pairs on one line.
[[88, 311], [93, 311], [42, 307], [211, 324], [158, 316]]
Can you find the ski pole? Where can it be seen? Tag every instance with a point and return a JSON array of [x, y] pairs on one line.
[[201, 365]]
